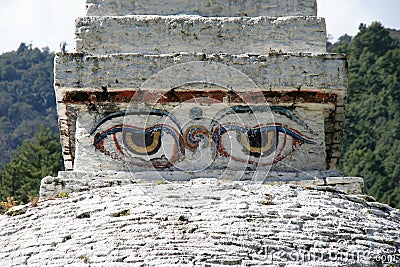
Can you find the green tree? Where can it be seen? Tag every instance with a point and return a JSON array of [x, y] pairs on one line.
[[374, 39], [371, 144], [35, 158], [27, 97], [341, 46]]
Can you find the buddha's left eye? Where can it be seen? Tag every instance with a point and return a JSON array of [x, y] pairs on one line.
[[262, 144], [259, 141], [259, 145], [160, 144]]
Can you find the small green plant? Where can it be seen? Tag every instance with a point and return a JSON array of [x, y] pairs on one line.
[[85, 258], [83, 215], [8, 204], [122, 213], [160, 182], [268, 200], [63, 195], [17, 212]]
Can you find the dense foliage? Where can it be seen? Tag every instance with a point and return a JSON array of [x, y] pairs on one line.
[[372, 133], [26, 96], [27, 106], [34, 159]]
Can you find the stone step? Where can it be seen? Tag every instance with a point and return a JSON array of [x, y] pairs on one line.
[[269, 72], [174, 34], [223, 8], [73, 181]]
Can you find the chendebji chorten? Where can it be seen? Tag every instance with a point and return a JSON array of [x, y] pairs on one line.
[[201, 133]]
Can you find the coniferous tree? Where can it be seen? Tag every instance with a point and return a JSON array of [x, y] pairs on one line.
[[371, 144], [34, 159], [27, 97]]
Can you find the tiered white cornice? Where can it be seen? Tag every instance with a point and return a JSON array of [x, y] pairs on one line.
[[172, 34], [233, 27], [206, 8]]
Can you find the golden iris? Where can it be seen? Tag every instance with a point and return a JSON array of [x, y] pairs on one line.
[[142, 143]]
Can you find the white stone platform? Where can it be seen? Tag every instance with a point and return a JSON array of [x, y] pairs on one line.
[[208, 8], [73, 181], [174, 34], [204, 222], [271, 71]]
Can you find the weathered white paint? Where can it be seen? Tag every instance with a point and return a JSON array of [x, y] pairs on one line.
[[208, 8], [174, 34], [272, 71]]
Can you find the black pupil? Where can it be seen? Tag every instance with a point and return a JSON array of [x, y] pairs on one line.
[[143, 141], [257, 138]]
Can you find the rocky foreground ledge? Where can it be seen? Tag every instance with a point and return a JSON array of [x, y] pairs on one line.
[[204, 222]]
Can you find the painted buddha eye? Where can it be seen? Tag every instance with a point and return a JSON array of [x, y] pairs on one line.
[[272, 142], [257, 142], [142, 142], [261, 144], [161, 144]]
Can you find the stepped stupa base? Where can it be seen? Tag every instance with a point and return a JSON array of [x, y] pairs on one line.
[[218, 223], [72, 182]]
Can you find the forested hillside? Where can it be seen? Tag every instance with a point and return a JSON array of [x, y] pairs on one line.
[[372, 132], [27, 110], [26, 96], [371, 147]]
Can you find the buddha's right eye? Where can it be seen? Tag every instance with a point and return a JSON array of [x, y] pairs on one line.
[[160, 143]]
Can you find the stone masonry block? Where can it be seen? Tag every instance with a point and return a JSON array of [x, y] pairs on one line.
[[174, 34], [269, 72], [223, 8], [101, 84], [202, 62]]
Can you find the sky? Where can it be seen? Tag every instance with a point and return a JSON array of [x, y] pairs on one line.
[[48, 22]]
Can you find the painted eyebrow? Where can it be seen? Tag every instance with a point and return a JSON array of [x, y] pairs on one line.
[[268, 128], [156, 112], [252, 109], [291, 116]]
